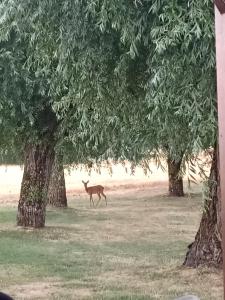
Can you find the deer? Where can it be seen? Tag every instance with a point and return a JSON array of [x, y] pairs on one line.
[[96, 189]]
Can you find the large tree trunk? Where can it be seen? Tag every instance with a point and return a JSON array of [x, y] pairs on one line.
[[33, 195], [207, 248], [38, 163], [57, 187], [175, 180]]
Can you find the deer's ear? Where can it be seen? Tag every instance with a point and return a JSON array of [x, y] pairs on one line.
[[82, 181], [87, 181]]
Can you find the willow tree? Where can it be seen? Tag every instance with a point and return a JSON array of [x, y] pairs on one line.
[[185, 70], [31, 87], [27, 114]]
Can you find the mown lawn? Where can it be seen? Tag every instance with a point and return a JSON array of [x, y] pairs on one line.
[[133, 249]]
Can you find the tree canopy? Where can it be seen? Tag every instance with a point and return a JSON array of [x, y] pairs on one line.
[[125, 77]]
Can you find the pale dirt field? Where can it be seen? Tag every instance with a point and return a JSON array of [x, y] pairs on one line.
[[120, 180]]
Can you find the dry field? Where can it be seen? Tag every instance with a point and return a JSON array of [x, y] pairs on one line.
[[131, 249]]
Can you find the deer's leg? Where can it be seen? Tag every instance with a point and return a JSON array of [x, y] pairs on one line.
[[91, 199], [99, 198], [105, 198]]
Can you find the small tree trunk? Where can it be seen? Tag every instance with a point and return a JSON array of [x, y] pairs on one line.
[[57, 187], [175, 180], [207, 248], [37, 169]]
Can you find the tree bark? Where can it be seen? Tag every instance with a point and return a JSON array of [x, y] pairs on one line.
[[175, 180], [57, 188], [206, 248], [39, 157], [33, 195]]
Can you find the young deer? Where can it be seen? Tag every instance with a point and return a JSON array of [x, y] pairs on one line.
[[91, 190]]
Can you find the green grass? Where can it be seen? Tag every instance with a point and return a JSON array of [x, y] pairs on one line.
[[133, 249]]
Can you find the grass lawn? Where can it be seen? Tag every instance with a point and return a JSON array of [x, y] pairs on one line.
[[133, 249]]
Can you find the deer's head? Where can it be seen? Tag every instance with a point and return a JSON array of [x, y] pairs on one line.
[[85, 183]]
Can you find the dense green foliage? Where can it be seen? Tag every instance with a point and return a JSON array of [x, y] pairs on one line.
[[125, 77]]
